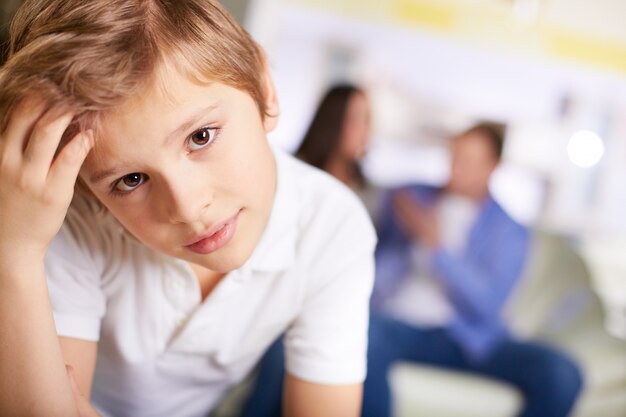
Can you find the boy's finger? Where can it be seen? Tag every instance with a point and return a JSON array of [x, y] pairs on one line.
[[21, 124], [45, 139], [66, 166], [82, 403], [70, 373]]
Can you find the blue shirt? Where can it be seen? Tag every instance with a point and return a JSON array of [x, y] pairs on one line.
[[478, 281]]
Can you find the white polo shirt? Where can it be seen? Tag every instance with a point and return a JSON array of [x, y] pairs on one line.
[[163, 352]]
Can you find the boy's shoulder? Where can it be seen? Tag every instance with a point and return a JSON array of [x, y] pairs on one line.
[[325, 210], [317, 222], [316, 191]]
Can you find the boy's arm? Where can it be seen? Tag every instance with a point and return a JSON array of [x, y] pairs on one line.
[[35, 191], [33, 380], [306, 399], [85, 409], [81, 356], [326, 345]]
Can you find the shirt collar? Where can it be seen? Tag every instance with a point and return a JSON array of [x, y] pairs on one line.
[[276, 249]]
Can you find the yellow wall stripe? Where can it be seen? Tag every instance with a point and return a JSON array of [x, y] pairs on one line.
[[492, 24]]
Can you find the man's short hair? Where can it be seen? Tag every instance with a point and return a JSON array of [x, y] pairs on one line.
[[493, 132]]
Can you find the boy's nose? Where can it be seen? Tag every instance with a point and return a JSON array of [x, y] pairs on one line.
[[187, 201]]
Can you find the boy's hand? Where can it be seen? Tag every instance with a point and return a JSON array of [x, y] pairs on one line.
[[35, 187], [85, 409]]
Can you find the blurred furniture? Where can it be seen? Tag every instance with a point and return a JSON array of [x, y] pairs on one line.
[[554, 303], [606, 260]]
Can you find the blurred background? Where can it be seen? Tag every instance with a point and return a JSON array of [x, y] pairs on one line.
[[554, 71]]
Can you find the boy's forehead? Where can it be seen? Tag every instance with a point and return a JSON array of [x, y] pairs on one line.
[[165, 87], [162, 115], [167, 96]]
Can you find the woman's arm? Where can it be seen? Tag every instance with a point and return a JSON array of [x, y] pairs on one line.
[[306, 399], [35, 192]]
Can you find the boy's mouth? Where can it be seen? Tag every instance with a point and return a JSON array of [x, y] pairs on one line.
[[216, 237]]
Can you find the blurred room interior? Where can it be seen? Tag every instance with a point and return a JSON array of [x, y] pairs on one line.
[[554, 71]]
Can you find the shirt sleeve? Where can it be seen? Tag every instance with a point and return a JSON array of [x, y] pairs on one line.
[[480, 287], [73, 269], [327, 343]]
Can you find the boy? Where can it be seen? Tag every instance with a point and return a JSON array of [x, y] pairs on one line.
[[191, 244]]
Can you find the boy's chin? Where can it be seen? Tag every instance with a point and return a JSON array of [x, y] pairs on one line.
[[221, 262]]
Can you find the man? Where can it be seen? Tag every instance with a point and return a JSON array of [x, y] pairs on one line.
[[448, 259]]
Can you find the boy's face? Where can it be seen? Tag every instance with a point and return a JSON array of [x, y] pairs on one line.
[[188, 172]]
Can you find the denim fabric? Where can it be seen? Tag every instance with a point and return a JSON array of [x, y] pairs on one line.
[[549, 381], [478, 281]]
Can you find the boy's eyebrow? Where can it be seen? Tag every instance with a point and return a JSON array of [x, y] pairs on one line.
[[98, 176], [191, 121]]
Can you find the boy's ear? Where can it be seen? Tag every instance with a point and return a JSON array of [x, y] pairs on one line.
[[270, 119]]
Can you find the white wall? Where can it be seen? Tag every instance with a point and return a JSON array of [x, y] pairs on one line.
[[425, 86]]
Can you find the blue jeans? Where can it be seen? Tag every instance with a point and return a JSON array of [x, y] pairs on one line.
[[549, 381], [266, 397]]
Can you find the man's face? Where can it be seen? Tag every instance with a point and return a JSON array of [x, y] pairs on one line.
[[473, 162], [188, 172]]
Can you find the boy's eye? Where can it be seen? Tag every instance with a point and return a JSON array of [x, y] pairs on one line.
[[201, 138], [130, 182]]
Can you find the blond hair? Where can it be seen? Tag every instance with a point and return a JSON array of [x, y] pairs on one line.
[[92, 55]]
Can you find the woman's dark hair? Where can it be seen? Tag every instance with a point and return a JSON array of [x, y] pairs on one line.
[[322, 139]]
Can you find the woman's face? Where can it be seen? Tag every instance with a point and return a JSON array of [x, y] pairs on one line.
[[356, 128]]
